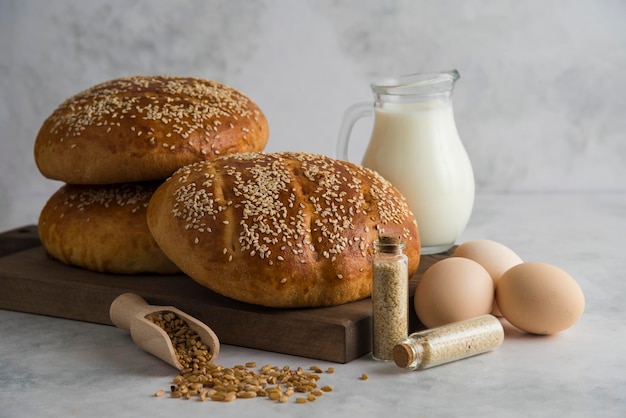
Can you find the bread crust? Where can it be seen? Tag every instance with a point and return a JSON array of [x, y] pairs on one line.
[[144, 128], [103, 228], [279, 229]]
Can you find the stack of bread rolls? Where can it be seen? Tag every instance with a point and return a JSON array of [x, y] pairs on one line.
[[114, 144], [167, 174]]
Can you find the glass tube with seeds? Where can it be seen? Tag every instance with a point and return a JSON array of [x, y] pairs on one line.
[[448, 343], [390, 296]]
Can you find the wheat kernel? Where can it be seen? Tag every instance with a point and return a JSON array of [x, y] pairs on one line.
[[218, 397], [246, 394], [274, 395]]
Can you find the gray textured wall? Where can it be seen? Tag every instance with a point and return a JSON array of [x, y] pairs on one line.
[[540, 104]]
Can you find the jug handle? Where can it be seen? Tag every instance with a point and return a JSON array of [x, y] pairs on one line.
[[350, 117]]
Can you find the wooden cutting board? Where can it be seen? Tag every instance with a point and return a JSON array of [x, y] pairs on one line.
[[31, 282]]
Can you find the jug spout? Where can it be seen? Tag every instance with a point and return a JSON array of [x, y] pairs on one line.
[[417, 86]]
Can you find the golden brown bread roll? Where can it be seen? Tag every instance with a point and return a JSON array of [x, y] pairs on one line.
[[280, 230], [144, 128], [103, 228]]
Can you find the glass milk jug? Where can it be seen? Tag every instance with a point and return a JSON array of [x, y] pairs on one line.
[[415, 146]]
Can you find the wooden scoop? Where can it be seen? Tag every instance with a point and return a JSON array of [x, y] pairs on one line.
[[128, 311]]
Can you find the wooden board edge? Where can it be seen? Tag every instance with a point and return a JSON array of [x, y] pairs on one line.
[[336, 340], [354, 336], [19, 239]]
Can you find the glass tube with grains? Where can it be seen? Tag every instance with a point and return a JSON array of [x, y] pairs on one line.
[[447, 343], [390, 296]]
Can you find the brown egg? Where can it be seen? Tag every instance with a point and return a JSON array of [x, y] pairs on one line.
[[539, 298], [452, 290], [495, 257]]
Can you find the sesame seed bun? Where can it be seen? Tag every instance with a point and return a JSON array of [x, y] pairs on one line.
[[103, 228], [279, 229], [144, 128]]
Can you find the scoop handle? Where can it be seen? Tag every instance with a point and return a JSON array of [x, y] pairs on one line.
[[125, 307]]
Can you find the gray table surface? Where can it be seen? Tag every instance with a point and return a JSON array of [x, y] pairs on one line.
[[52, 367]]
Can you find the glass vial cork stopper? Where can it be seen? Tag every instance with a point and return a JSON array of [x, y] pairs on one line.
[[390, 296], [448, 343]]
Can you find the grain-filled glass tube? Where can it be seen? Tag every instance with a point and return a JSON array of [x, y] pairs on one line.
[[390, 296], [448, 343]]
